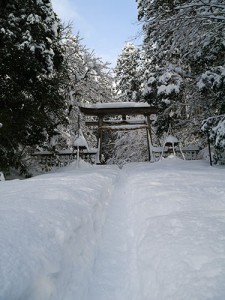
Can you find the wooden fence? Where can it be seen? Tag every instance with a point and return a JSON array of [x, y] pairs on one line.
[[47, 159], [190, 152]]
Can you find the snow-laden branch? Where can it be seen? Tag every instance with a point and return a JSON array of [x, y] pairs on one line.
[[211, 5]]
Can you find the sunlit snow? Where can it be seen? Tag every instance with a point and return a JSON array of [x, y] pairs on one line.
[[145, 232]]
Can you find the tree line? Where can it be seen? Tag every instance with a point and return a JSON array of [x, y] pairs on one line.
[[45, 70], [180, 68]]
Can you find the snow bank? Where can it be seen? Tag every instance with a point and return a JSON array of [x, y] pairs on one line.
[[49, 230], [177, 210], [117, 105], [146, 232]]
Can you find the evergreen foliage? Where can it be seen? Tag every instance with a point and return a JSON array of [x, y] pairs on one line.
[[89, 81], [128, 146], [45, 72], [184, 63], [31, 75], [127, 74]]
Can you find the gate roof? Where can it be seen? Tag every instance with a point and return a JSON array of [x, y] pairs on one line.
[[118, 108]]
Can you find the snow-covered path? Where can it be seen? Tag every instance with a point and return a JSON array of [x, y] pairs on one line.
[[164, 237], [111, 277], [114, 273], [179, 230], [146, 232]]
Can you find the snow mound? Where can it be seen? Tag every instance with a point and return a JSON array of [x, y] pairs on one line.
[[50, 227], [146, 232]]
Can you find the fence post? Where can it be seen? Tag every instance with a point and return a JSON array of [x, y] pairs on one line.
[[2, 178], [209, 148]]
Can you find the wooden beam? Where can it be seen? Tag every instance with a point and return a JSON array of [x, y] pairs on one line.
[[149, 138], [64, 153], [124, 127], [148, 143], [124, 109], [99, 146], [116, 122], [91, 123], [149, 128]]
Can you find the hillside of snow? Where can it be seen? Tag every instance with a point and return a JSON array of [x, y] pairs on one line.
[[146, 232]]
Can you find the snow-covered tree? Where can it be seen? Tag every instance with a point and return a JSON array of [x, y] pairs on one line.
[[128, 70], [31, 76], [163, 78], [127, 73], [194, 28], [188, 35], [163, 87], [89, 81]]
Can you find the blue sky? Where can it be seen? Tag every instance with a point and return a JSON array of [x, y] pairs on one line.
[[104, 25]]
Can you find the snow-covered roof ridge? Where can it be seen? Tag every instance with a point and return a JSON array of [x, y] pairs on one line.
[[115, 104]]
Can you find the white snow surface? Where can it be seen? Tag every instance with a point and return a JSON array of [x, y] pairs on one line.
[[145, 232], [171, 139], [80, 140], [117, 105]]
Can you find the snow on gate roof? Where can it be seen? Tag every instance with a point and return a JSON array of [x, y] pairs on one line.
[[117, 108]]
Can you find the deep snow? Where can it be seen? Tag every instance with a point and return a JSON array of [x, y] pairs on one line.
[[146, 232]]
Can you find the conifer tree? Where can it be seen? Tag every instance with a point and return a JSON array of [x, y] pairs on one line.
[[31, 73], [188, 37], [89, 81], [127, 73]]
